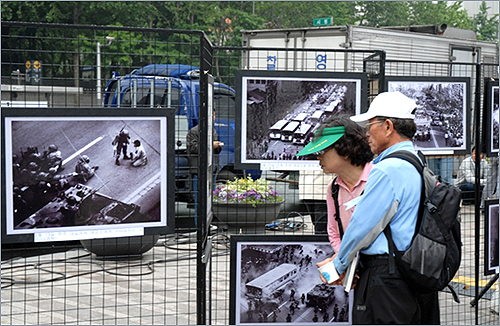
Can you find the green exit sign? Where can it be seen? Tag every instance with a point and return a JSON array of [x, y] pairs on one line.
[[323, 21]]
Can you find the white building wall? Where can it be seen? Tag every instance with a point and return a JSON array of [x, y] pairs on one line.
[[472, 7]]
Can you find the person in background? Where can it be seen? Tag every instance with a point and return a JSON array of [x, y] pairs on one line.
[[466, 176], [491, 188], [193, 149]]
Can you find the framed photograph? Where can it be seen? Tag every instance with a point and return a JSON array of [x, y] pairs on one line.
[[491, 116], [442, 114], [274, 280], [491, 254], [281, 110], [86, 174]]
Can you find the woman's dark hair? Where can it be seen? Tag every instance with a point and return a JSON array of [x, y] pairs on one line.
[[354, 144]]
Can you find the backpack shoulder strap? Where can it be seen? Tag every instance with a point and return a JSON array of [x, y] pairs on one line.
[[411, 158], [335, 195]]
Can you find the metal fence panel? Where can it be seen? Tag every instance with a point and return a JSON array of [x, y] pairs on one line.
[[184, 278]]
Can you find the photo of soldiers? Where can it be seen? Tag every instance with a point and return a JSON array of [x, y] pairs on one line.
[[84, 170], [120, 144], [92, 192]]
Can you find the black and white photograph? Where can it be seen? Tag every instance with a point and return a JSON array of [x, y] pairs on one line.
[[84, 173], [494, 121], [491, 113], [491, 255], [275, 280], [281, 112], [441, 115]]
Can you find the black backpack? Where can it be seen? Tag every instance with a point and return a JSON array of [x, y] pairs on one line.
[[435, 252]]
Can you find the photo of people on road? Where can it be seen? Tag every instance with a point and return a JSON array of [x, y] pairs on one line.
[[64, 174], [440, 115], [278, 282], [281, 114]]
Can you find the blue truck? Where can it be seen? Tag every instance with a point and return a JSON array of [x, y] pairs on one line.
[[177, 87]]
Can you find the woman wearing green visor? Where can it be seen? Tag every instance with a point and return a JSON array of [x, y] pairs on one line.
[[342, 147]]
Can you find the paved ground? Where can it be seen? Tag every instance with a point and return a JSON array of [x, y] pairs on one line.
[[72, 287]]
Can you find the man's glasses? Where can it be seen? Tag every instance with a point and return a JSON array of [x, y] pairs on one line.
[[369, 124]]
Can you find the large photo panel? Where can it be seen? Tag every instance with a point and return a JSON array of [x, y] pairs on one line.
[[274, 280], [492, 232], [491, 114], [281, 110], [442, 115], [63, 180]]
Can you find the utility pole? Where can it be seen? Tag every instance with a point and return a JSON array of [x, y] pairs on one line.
[[99, 45]]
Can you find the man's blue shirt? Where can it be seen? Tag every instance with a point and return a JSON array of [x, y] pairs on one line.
[[391, 181]]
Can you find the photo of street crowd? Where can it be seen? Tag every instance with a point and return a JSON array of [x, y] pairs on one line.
[[76, 173], [278, 283], [281, 114], [441, 115]]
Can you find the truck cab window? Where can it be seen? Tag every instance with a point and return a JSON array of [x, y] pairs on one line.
[[174, 101], [144, 97]]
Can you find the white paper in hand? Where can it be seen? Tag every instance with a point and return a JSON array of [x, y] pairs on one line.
[[329, 272], [351, 273]]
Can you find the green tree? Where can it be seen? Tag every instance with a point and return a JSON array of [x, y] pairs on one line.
[[221, 21], [486, 28], [299, 14], [382, 13], [406, 13], [439, 12]]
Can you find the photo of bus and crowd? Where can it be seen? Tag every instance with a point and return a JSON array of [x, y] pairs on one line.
[[279, 283], [282, 115]]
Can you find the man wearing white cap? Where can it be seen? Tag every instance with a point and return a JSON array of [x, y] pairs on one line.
[[382, 296]]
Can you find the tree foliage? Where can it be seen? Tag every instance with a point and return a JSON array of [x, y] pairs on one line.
[[221, 21], [486, 28]]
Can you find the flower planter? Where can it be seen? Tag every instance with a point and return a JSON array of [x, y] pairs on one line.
[[246, 214]]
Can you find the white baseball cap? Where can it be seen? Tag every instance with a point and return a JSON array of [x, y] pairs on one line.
[[388, 104]]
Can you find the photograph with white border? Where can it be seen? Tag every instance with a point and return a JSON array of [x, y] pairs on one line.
[[68, 174], [493, 234], [280, 115], [441, 114], [278, 283], [495, 120]]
